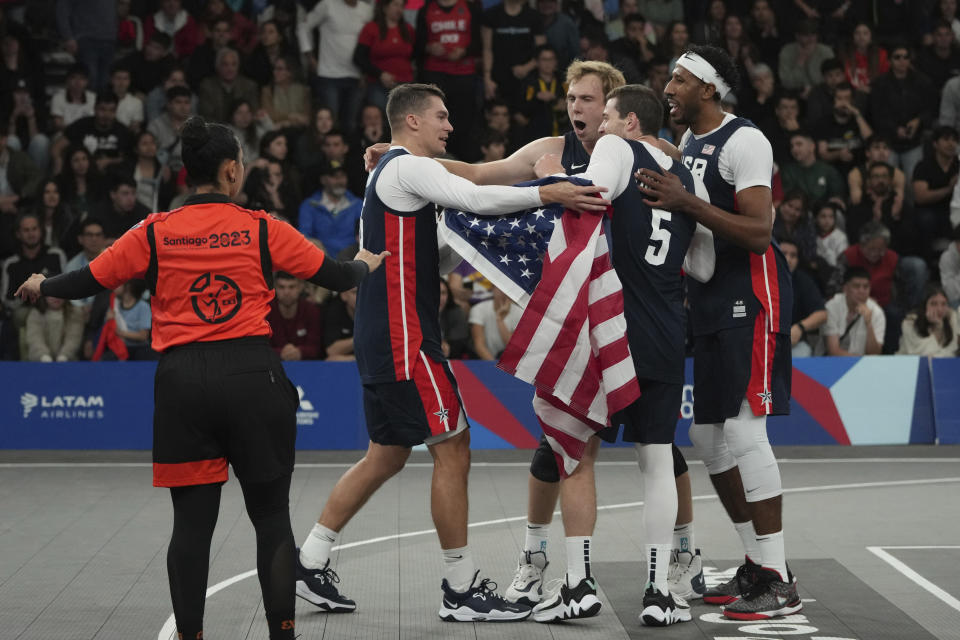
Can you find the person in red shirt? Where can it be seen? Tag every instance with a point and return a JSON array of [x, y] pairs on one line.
[[220, 391], [384, 51], [297, 323]]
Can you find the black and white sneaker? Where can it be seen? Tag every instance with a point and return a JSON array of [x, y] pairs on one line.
[[564, 602], [661, 610], [318, 586], [479, 603]]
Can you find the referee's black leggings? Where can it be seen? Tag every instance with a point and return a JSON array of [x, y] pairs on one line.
[[195, 511]]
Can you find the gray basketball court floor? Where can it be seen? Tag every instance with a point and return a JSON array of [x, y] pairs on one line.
[[872, 533]]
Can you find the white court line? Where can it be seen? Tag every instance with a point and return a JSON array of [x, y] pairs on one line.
[[913, 575], [344, 465], [169, 628]]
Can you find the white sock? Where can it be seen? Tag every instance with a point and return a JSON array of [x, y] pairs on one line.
[[578, 559], [458, 568], [658, 561], [536, 538], [683, 538], [773, 553], [315, 551], [749, 539]]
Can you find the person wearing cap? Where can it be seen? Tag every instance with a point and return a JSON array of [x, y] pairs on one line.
[[330, 214], [800, 60], [221, 394], [741, 325]]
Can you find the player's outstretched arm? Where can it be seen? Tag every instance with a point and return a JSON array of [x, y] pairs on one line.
[[750, 230]]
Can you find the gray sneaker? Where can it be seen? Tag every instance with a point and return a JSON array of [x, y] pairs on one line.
[[685, 576], [527, 585], [733, 588], [768, 597]]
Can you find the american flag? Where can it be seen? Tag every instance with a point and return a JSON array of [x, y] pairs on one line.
[[571, 340]]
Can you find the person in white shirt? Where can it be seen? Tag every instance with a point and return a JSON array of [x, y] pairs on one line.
[[129, 106], [337, 84], [831, 240], [855, 322], [74, 101], [492, 323], [397, 342], [933, 329]]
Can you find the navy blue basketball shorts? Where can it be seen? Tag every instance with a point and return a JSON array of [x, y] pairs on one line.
[[423, 410], [743, 362], [651, 418]]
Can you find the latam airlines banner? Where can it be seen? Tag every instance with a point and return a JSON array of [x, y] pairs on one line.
[[846, 401]]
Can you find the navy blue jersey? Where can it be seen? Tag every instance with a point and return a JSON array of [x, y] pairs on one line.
[[396, 315], [743, 282], [647, 250], [575, 158]]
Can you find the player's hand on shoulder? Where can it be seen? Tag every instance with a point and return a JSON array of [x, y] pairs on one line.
[[663, 189], [570, 196], [373, 260], [547, 165], [373, 154]]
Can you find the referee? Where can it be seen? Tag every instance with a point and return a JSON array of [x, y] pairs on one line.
[[220, 392]]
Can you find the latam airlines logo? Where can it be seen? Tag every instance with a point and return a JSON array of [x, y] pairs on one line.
[[63, 407]]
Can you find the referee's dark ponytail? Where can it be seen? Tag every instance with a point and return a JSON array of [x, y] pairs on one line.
[[205, 146]]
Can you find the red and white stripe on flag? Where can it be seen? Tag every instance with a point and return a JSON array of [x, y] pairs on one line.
[[571, 342]]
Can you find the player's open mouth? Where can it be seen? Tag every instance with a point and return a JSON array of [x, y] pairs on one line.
[[579, 125], [674, 106]]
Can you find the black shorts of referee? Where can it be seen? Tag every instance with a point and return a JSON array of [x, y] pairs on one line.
[[222, 402]]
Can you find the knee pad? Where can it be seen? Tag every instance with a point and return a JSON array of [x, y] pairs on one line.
[[746, 438], [543, 466], [712, 448], [679, 462]]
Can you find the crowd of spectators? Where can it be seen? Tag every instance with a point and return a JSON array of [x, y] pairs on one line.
[[860, 100]]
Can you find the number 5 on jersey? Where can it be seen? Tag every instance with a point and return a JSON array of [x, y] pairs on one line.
[[657, 253]]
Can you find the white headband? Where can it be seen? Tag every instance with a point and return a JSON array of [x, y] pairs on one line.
[[705, 71]]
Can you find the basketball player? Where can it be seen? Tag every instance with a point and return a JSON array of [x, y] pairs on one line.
[[410, 394], [648, 249], [741, 325]]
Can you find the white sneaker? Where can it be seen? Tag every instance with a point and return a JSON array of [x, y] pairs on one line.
[[527, 585], [685, 576]]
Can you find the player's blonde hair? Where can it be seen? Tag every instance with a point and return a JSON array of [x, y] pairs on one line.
[[610, 76]]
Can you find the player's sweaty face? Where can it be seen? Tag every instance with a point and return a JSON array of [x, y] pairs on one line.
[[585, 107]]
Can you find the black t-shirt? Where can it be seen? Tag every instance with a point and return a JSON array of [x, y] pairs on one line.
[[929, 171], [114, 142], [513, 42], [840, 135], [806, 296]]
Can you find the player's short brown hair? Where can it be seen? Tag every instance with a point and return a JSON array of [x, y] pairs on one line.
[[409, 98], [641, 101]]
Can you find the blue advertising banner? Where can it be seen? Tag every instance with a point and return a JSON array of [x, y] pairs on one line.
[[946, 399], [845, 401]]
